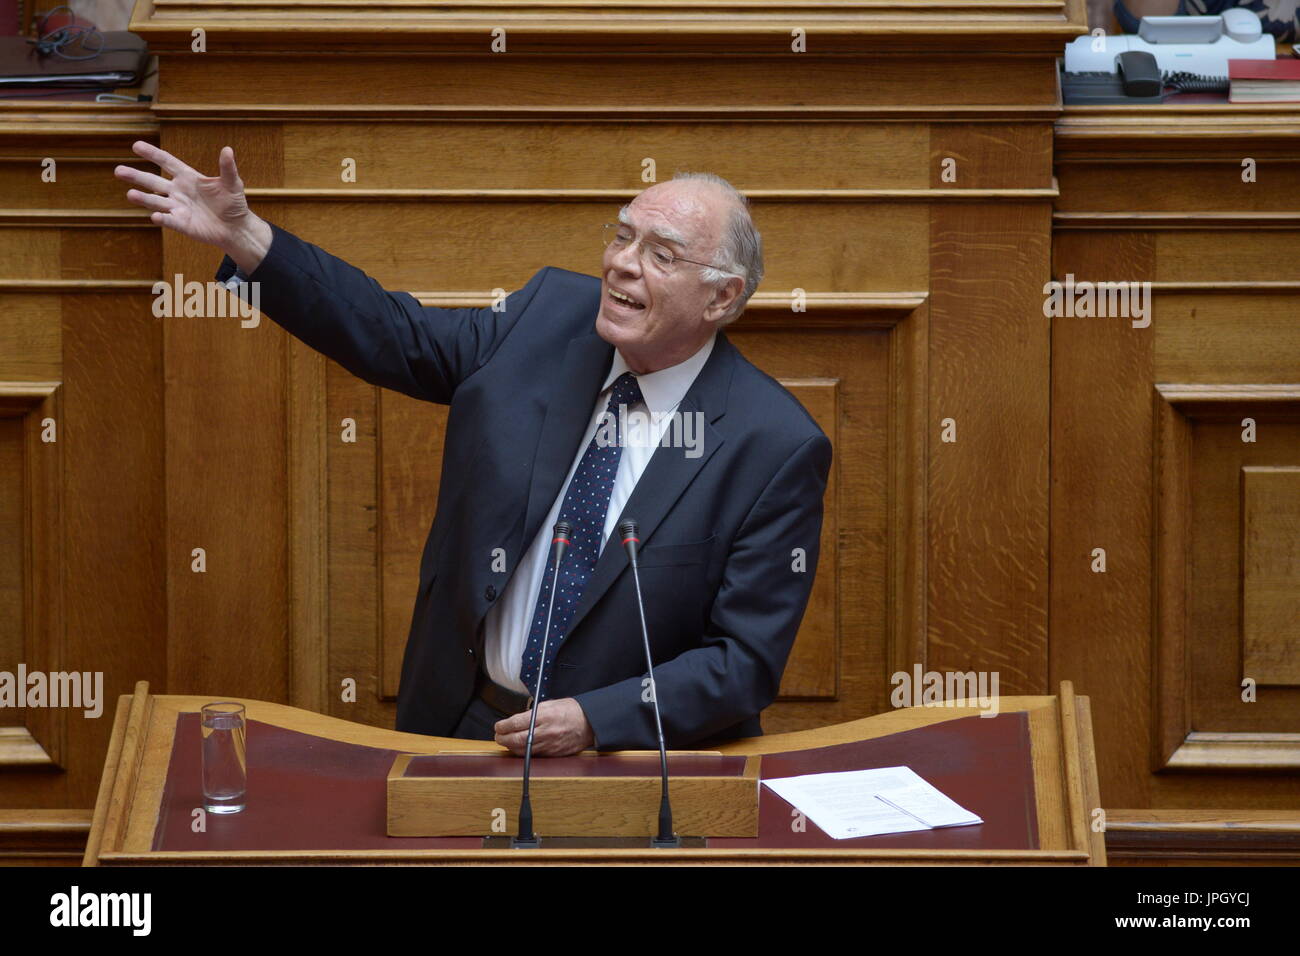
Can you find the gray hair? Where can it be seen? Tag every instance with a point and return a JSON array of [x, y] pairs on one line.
[[741, 251]]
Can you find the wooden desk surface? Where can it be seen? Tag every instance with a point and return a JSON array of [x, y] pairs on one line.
[[132, 789]]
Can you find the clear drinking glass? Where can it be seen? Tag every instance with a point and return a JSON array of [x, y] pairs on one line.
[[225, 767]]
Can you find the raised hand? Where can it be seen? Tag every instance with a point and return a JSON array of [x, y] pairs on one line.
[[211, 209]]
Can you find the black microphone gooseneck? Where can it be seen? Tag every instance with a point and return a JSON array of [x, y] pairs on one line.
[[527, 839], [667, 838]]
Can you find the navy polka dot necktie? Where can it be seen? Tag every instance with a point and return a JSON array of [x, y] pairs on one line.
[[585, 506]]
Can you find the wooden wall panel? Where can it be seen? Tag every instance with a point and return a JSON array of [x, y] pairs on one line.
[[1270, 573], [79, 183], [1219, 473], [28, 255], [307, 489], [987, 513], [812, 670], [1102, 441], [454, 247], [29, 327], [1227, 338], [13, 550], [31, 737], [1207, 720], [114, 565], [91, 520], [34, 735], [410, 463], [853, 616], [1148, 453], [357, 548], [547, 154], [1123, 186], [227, 455], [524, 83], [80, 348], [990, 156], [1250, 256], [125, 257]]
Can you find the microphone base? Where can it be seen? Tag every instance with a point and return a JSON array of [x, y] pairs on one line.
[[518, 843], [661, 844], [503, 842]]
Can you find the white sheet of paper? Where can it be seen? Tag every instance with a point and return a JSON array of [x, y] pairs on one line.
[[858, 803]]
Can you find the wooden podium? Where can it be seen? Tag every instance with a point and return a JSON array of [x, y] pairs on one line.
[[316, 791]]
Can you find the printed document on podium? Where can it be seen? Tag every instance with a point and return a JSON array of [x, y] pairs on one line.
[[858, 803]]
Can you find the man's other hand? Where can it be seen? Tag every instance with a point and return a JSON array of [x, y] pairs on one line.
[[562, 729]]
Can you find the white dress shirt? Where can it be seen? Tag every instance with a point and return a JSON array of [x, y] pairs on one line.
[[509, 620]]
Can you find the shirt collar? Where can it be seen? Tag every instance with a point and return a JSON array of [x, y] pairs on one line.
[[663, 390]]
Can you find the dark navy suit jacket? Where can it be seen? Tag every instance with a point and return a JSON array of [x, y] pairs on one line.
[[724, 586]]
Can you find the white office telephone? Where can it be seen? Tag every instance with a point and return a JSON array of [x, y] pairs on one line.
[[1200, 45]]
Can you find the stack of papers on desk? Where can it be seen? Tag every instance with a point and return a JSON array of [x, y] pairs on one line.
[[858, 803]]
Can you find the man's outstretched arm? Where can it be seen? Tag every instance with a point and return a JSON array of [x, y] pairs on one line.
[[385, 338]]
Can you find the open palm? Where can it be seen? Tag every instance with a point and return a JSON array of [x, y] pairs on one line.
[[211, 209]]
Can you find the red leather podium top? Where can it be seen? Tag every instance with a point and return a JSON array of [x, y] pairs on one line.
[[983, 763], [312, 793]]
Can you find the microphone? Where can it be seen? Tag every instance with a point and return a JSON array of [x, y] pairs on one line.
[[527, 839], [666, 838]]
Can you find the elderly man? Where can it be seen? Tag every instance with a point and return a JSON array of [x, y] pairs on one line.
[[584, 401]]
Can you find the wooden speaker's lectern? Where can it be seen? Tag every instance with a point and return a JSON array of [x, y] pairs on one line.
[[317, 791]]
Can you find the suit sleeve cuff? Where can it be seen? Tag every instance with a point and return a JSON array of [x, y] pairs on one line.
[[613, 713], [231, 276], [595, 734]]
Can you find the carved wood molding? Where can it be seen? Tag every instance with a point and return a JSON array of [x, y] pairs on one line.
[[1125, 134], [41, 739], [35, 127], [1210, 396], [64, 286], [33, 837], [74, 218], [1158, 221], [861, 310], [1202, 288], [1013, 26], [1222, 751], [1175, 744], [334, 113], [18, 748], [1228, 836], [624, 195]]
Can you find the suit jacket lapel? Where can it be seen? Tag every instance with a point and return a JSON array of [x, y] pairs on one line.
[[573, 395], [667, 475]]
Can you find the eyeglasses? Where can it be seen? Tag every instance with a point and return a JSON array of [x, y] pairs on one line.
[[619, 236]]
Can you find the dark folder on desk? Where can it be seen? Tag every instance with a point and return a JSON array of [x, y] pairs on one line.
[[121, 62]]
